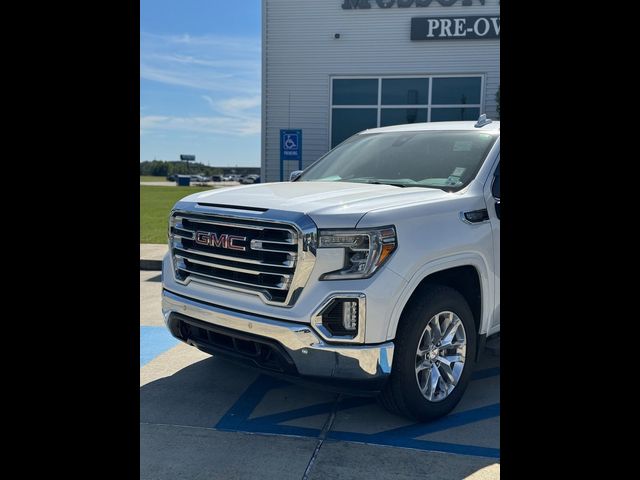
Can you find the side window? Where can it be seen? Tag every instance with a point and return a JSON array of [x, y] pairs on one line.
[[495, 189]]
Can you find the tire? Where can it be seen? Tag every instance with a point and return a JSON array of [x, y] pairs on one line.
[[402, 394]]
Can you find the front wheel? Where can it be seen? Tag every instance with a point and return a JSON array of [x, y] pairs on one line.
[[435, 351]]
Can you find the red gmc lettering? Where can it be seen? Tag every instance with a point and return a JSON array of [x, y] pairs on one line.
[[221, 241], [232, 246], [218, 241], [202, 238]]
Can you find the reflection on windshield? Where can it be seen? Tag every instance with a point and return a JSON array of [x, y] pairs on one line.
[[432, 159]]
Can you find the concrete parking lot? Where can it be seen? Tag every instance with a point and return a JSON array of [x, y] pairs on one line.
[[204, 418]]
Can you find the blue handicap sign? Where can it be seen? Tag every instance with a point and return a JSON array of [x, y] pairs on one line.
[[291, 145]]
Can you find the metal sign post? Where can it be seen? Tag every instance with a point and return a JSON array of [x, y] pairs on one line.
[[290, 148]]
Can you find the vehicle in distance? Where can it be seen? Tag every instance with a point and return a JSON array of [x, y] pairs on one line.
[[249, 179], [200, 178], [376, 271]]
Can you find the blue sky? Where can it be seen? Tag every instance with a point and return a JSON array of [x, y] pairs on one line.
[[200, 68]]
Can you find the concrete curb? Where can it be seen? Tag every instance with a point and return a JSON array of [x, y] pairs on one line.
[[155, 265], [151, 256]]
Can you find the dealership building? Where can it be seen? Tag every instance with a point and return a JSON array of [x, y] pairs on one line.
[[331, 68]]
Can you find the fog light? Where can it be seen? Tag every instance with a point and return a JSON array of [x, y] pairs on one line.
[[342, 318], [350, 315]]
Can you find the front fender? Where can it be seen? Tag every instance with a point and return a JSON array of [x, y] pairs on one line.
[[473, 259]]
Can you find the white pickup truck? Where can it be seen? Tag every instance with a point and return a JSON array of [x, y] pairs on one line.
[[374, 271]]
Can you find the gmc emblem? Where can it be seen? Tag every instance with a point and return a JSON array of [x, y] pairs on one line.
[[221, 241]]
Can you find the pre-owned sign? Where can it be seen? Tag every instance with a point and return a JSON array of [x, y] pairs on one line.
[[455, 28]]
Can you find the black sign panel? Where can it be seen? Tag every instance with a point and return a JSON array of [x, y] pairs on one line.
[[455, 28], [188, 158]]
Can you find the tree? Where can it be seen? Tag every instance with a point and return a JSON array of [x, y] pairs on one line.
[[163, 168]]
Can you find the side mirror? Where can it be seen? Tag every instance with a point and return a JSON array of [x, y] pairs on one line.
[[294, 175]]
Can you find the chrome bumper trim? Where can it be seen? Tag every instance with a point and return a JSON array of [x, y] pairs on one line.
[[312, 356]]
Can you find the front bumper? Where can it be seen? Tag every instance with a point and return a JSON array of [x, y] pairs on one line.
[[281, 347]]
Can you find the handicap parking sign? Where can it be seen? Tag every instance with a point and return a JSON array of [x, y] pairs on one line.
[[291, 145]]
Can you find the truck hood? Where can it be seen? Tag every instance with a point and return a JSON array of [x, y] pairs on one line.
[[329, 204]]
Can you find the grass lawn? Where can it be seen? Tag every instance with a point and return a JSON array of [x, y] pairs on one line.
[[155, 205], [149, 178]]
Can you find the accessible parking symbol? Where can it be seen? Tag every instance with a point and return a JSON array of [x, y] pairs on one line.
[[291, 145]]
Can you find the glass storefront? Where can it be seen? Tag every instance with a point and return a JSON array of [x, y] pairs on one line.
[[361, 103]]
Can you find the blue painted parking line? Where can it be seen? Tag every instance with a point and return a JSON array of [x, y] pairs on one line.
[[445, 447], [153, 342], [237, 419]]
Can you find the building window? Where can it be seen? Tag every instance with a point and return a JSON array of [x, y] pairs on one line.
[[355, 91], [347, 121], [405, 91], [398, 116], [456, 90], [361, 103]]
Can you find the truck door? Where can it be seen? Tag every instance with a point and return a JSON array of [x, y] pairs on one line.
[[492, 196]]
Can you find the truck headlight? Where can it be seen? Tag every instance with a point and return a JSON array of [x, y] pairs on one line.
[[365, 250]]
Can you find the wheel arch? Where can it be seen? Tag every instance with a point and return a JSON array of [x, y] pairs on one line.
[[467, 273]]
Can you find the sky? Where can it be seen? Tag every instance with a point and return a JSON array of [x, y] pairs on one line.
[[200, 69]]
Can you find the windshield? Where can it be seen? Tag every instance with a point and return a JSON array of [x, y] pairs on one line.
[[448, 160]]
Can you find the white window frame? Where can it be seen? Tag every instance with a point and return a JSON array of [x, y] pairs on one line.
[[379, 106]]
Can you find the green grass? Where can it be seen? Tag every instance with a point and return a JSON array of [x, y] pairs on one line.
[[150, 178], [155, 205]]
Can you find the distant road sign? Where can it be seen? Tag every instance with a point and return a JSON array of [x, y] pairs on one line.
[[188, 158]]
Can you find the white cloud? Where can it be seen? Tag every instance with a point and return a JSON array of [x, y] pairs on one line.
[[213, 63], [235, 105], [240, 103], [221, 125], [248, 44], [210, 81], [209, 100], [191, 60], [224, 70]]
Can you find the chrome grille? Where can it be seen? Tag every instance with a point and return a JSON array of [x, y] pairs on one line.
[[266, 267]]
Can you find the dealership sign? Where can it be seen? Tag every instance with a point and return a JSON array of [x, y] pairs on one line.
[[361, 4], [455, 28]]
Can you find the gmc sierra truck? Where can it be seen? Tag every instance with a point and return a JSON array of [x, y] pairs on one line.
[[375, 271]]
